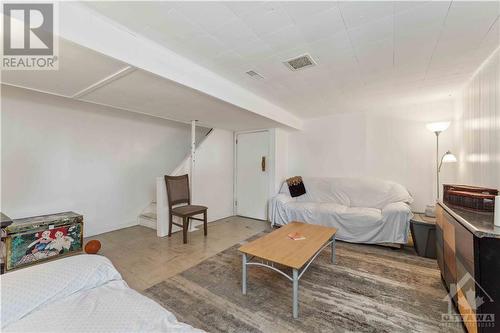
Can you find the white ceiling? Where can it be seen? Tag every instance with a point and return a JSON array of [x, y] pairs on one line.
[[144, 92], [92, 77], [78, 69], [369, 54]]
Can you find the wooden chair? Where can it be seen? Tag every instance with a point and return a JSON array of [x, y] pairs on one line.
[[178, 194]]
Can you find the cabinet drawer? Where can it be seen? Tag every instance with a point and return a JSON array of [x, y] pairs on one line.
[[464, 247], [467, 312], [439, 238], [450, 270]]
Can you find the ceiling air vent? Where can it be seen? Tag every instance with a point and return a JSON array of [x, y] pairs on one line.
[[301, 62], [255, 75]]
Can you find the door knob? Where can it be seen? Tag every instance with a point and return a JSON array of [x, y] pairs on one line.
[[263, 163]]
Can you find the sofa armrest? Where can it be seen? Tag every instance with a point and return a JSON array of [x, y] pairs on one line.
[[275, 205], [282, 198], [397, 211], [398, 215]]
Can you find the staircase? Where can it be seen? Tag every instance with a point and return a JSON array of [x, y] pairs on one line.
[[149, 215]]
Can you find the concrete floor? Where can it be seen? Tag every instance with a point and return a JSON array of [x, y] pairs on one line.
[[144, 259]]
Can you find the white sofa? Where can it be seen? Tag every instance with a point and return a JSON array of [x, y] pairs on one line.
[[364, 210]]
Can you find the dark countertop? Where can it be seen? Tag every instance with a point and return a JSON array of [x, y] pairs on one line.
[[479, 223], [420, 218]]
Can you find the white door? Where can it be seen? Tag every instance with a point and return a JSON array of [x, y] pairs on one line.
[[252, 174]]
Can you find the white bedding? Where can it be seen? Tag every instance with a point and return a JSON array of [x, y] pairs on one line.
[[83, 293]]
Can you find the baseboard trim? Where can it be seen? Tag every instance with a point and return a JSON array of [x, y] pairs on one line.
[[114, 228], [148, 223]]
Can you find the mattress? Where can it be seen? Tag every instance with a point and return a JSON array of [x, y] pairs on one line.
[[83, 293]]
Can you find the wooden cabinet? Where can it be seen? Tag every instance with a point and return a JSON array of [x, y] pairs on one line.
[[450, 267], [468, 255]]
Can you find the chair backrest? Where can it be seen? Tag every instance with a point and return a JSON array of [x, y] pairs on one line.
[[177, 190]]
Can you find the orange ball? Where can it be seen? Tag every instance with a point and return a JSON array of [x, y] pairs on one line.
[[93, 246]]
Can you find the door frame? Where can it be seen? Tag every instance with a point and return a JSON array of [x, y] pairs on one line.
[[271, 163]]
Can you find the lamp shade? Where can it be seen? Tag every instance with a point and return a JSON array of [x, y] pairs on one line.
[[449, 157], [438, 126]]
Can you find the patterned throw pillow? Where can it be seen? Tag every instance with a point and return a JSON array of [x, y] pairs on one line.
[[296, 186]]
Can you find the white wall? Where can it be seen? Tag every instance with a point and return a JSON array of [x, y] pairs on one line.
[[389, 145], [280, 154], [478, 134], [213, 175], [59, 154], [212, 184]]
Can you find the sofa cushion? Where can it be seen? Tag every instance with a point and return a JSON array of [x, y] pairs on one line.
[[371, 192], [362, 214], [320, 190], [353, 192]]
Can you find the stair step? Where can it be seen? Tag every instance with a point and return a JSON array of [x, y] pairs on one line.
[[149, 216]]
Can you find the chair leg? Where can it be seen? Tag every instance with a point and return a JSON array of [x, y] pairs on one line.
[[184, 229], [205, 223], [170, 225]]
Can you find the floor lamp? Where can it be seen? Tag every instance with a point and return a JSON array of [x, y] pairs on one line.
[[437, 128]]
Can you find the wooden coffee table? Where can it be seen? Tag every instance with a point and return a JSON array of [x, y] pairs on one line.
[[277, 248]]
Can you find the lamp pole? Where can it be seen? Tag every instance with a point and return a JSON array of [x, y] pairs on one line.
[[193, 155], [437, 165]]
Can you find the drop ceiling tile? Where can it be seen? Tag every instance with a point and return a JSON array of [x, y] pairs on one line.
[[301, 11], [287, 54], [235, 34], [402, 6], [404, 58], [426, 37], [255, 51], [229, 58], [393, 43], [429, 15], [244, 8], [453, 43], [376, 56], [339, 62], [372, 32], [321, 25], [273, 68], [414, 52], [208, 15], [474, 10], [146, 93], [493, 36], [489, 44], [173, 23], [328, 47], [357, 13], [134, 15], [264, 21], [79, 68], [206, 45], [284, 39]]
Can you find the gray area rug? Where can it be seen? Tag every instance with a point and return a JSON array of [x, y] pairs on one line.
[[370, 289]]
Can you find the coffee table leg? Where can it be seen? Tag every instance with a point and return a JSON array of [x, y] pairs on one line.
[[295, 293], [333, 250], [244, 275]]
